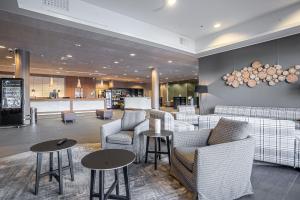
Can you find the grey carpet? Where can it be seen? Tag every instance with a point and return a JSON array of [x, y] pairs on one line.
[[17, 178]]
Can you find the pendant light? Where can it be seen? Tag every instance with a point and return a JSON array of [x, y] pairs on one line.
[[51, 81]]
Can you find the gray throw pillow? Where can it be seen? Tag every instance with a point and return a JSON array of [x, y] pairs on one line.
[[132, 118], [228, 131]]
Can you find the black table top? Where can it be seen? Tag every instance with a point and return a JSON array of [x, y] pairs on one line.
[[108, 159], [163, 133], [51, 145]]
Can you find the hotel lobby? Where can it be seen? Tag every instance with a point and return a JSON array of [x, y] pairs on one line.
[[161, 99]]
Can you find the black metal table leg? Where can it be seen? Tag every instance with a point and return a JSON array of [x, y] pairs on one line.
[[155, 153], [69, 151], [147, 149], [92, 184], [159, 149], [50, 166], [126, 181], [101, 185], [168, 148], [117, 180], [60, 172], [38, 172]]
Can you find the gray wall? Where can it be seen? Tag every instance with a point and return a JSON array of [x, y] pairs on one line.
[[285, 51]]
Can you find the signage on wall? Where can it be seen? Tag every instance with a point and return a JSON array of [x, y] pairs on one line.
[[262, 73], [11, 94]]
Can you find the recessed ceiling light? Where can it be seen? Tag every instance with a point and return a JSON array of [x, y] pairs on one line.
[[2, 47], [104, 67], [58, 72], [60, 68], [96, 71], [8, 57], [77, 45], [170, 61], [137, 78], [217, 25], [171, 2], [42, 55], [136, 71], [132, 54], [160, 73], [167, 78], [90, 74], [116, 62], [124, 74], [150, 67], [64, 63], [69, 56]]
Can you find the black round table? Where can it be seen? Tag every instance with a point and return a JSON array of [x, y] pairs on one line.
[[51, 147], [104, 160], [157, 148]]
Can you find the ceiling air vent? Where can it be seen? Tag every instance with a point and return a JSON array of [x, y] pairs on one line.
[[183, 41], [56, 4]]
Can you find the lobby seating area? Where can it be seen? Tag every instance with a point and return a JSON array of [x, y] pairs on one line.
[[149, 100]]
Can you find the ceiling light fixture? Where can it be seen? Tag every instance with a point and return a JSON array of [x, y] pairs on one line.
[[171, 3], [125, 74], [136, 71], [8, 57], [77, 45], [116, 62], [132, 54], [170, 61], [96, 71], [2, 47], [217, 25], [150, 67], [69, 56], [60, 68]]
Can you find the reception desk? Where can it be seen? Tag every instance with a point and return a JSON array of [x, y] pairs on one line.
[[139, 103], [53, 106]]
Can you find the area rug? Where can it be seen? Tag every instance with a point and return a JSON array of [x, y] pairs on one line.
[[17, 178]]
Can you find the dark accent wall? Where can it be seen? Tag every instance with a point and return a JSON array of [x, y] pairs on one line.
[[285, 51]]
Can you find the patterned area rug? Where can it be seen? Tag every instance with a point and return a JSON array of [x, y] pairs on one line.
[[17, 178]]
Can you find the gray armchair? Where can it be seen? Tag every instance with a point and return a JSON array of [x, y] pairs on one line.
[[125, 133], [212, 172]]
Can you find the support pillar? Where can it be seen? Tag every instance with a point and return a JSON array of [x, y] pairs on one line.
[[155, 89], [22, 61]]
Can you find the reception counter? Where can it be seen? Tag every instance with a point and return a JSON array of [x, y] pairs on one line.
[[53, 106]]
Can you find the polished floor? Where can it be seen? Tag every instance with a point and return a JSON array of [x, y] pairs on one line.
[[270, 182]]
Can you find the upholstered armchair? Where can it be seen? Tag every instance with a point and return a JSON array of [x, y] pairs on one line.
[[125, 133], [187, 113], [212, 172]]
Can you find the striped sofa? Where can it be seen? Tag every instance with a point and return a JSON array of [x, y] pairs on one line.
[[168, 122], [186, 113], [273, 128]]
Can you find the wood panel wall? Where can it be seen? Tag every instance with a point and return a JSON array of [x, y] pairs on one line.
[[88, 85]]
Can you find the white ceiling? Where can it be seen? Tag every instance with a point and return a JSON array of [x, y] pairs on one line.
[[187, 16], [48, 42]]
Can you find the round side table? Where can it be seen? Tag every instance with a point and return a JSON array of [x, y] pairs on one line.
[[157, 148], [51, 147], [108, 159]]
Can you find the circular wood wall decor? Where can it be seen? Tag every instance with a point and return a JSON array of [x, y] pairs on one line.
[[265, 73]]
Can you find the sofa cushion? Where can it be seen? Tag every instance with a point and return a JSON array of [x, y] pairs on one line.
[[131, 119], [123, 137], [186, 156], [228, 130], [187, 109]]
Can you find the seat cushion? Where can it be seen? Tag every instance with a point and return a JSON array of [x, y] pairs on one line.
[[228, 130], [186, 156], [123, 137], [131, 119], [180, 126]]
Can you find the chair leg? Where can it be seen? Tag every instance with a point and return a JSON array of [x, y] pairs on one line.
[[51, 166], [69, 151], [92, 184], [60, 172], [38, 172], [101, 185], [117, 180], [147, 149], [155, 154], [126, 181], [168, 147]]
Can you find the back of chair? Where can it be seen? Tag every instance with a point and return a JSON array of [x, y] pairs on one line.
[[132, 118], [187, 109], [167, 120]]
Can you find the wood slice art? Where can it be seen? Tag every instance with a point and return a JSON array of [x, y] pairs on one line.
[[270, 74], [271, 71], [292, 78], [251, 83], [256, 64]]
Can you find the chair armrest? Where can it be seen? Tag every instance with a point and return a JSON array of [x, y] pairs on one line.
[[108, 129], [191, 138], [221, 164], [143, 126]]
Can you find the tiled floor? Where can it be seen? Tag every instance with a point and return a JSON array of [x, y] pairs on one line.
[[269, 182]]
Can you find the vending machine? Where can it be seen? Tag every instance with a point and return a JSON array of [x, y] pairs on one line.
[[11, 96]]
